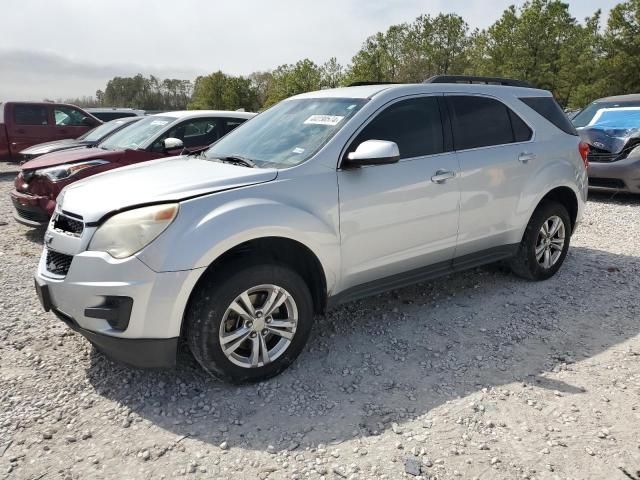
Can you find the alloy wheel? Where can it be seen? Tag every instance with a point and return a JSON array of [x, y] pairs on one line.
[[258, 326], [550, 242]]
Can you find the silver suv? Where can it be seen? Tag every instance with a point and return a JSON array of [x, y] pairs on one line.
[[326, 197]]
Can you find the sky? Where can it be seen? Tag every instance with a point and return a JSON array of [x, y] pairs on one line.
[[71, 48]]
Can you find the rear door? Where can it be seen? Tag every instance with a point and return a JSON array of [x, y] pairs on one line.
[[69, 122], [399, 217], [27, 124], [496, 154]]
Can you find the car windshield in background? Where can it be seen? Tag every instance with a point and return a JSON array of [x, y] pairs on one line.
[[627, 117], [288, 133], [100, 132], [585, 117], [136, 134]]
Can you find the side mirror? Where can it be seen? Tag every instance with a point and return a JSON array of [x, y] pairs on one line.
[[172, 144], [88, 122], [374, 152]]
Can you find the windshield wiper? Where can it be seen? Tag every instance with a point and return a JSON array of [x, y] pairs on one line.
[[238, 160]]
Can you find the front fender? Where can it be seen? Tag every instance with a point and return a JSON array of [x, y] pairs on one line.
[[207, 228]]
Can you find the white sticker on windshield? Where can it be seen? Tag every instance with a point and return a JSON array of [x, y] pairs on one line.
[[298, 150], [159, 122], [331, 120]]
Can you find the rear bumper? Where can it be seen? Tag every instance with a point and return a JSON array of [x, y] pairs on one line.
[[621, 176], [30, 210]]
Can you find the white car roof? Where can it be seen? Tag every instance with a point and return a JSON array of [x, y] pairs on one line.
[[368, 91], [182, 114]]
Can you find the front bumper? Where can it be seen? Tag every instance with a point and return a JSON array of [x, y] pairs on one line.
[[622, 175], [31, 210], [149, 335]]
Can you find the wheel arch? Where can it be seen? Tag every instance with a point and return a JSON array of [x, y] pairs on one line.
[[281, 250], [565, 196]]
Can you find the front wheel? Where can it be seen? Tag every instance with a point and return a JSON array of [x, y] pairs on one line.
[[545, 243], [247, 324]]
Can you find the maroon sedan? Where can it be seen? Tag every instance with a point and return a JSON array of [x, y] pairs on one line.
[[40, 180]]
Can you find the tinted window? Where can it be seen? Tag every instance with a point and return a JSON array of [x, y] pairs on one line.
[[232, 123], [521, 131], [30, 115], [480, 122], [413, 124], [198, 132], [549, 109]]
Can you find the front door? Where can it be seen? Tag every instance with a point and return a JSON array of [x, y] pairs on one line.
[[69, 122], [400, 217]]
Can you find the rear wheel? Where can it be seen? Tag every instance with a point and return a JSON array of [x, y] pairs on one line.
[[246, 324], [545, 243]]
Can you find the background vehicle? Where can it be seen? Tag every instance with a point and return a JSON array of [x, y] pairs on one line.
[[326, 197], [23, 124], [585, 116], [107, 114], [613, 135], [88, 139], [40, 180]]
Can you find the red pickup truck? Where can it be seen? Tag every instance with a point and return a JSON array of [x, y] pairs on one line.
[[23, 124]]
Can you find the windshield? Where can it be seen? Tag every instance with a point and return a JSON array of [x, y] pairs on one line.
[[102, 131], [583, 118], [288, 133], [136, 134], [628, 117]]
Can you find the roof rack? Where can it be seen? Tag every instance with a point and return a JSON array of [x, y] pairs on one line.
[[510, 82], [360, 84]]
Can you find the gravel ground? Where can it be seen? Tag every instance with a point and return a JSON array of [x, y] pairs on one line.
[[477, 375]]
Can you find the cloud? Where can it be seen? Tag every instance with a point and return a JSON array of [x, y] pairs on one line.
[[72, 47]]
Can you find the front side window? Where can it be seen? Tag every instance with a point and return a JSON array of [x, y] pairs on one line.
[[68, 117], [288, 133], [198, 132], [135, 135], [483, 122], [30, 115], [414, 125]]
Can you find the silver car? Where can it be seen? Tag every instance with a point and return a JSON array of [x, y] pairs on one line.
[[326, 197]]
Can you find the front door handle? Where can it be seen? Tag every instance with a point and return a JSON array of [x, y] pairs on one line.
[[525, 157], [442, 176]]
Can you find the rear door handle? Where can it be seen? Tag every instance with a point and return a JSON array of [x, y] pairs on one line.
[[525, 157], [442, 176]]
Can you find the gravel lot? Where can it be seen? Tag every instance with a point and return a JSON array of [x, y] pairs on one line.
[[477, 375]]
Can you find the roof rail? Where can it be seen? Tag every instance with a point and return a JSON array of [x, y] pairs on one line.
[[360, 84], [482, 80]]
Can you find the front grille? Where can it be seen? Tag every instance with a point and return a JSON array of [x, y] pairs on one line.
[[58, 263], [599, 155], [606, 183], [68, 225], [30, 213]]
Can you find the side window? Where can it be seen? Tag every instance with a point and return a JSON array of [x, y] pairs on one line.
[[414, 124], [30, 115], [232, 123], [198, 132], [549, 109], [68, 117], [482, 122]]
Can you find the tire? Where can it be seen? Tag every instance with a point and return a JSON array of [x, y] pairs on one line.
[[212, 303], [529, 265]]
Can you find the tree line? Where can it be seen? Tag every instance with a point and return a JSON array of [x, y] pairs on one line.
[[539, 42]]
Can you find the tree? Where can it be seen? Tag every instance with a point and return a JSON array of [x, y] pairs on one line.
[[288, 80], [223, 92]]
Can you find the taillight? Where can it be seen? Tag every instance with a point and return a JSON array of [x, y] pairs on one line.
[[583, 148]]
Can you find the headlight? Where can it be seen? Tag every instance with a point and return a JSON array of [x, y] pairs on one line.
[[60, 172], [125, 233]]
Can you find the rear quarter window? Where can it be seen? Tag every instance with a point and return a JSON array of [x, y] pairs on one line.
[[549, 109]]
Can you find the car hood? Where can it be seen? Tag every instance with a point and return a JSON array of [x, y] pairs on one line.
[[612, 140], [56, 145], [70, 156], [156, 181]]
